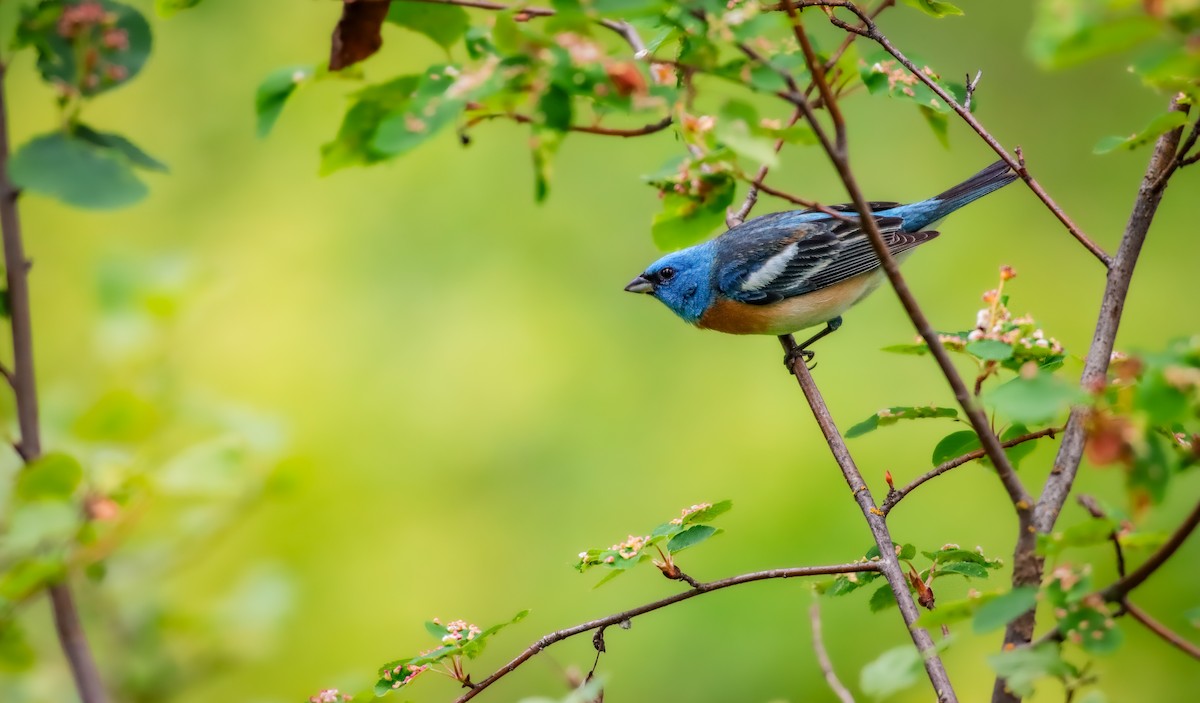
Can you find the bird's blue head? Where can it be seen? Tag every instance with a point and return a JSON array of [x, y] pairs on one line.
[[681, 280]]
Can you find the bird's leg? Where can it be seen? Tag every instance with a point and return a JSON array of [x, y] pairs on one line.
[[802, 350]]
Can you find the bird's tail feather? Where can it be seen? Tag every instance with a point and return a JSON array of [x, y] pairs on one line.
[[989, 179]]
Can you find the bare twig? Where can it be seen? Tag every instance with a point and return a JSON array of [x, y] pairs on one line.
[[868, 29], [894, 497], [839, 690], [969, 91], [617, 618], [889, 566], [71, 636], [1122, 587], [1171, 637]]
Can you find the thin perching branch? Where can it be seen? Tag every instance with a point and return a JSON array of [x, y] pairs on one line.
[[698, 590], [888, 564], [71, 636]]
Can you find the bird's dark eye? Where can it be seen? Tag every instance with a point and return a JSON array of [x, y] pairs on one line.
[[666, 274]]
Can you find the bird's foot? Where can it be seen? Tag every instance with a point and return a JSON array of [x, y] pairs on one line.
[[789, 358]]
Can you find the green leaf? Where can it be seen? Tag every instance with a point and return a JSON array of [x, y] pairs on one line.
[[118, 416], [1092, 628], [1085, 534], [118, 143], [955, 445], [53, 476], [167, 8], [1066, 34], [544, 145], [889, 416], [963, 568], [76, 171], [934, 8], [891, 672], [882, 599], [352, 145], [16, 655], [1033, 400], [687, 219], [430, 109], [738, 129], [1159, 125], [444, 24], [690, 537], [274, 92], [939, 122], [1023, 666], [990, 349], [1017, 453], [1001, 610], [116, 47], [25, 577]]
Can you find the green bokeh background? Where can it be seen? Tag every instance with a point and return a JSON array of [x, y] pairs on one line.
[[471, 399]]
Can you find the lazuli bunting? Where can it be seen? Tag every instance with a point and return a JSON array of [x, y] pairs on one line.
[[786, 271]]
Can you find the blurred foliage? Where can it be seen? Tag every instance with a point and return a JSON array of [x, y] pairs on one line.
[[148, 474]]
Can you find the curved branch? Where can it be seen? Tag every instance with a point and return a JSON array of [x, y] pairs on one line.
[[839, 689], [617, 618], [895, 496], [1122, 587], [1171, 637]]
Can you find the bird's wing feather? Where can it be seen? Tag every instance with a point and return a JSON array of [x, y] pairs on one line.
[[776, 261]]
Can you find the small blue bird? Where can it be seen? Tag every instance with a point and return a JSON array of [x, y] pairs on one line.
[[786, 271]]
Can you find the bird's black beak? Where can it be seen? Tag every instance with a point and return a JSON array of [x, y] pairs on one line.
[[640, 285]]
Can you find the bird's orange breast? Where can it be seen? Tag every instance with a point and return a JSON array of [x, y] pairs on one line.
[[790, 314]]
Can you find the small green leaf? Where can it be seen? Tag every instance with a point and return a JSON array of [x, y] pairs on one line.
[[891, 672], [690, 537], [274, 92], [76, 171], [1017, 453], [1023, 666], [990, 349], [16, 655], [430, 109], [544, 145], [126, 148], [889, 416], [1085, 534], [1033, 400], [167, 8], [352, 146], [882, 599], [1159, 125], [738, 129], [939, 122], [687, 219], [963, 568], [53, 476], [955, 445], [934, 8], [1092, 628], [1001, 610], [444, 24], [1066, 34]]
